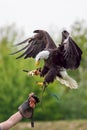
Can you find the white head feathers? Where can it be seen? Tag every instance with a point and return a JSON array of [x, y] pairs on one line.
[[42, 55]]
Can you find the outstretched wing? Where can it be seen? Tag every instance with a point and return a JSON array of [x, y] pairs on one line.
[[70, 51], [40, 41]]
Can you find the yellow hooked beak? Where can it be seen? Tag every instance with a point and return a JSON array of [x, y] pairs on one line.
[[37, 63]]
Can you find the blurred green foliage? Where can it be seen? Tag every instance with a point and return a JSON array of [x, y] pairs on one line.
[[59, 102]]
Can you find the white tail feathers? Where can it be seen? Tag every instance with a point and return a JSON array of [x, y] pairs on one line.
[[67, 80]]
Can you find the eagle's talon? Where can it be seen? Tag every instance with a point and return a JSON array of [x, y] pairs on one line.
[[34, 72], [40, 84], [30, 73]]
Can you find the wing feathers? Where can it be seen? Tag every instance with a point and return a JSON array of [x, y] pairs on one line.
[[40, 41], [19, 50], [23, 42], [71, 53]]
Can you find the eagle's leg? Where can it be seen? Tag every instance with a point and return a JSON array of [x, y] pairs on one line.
[[50, 76], [44, 71], [42, 74]]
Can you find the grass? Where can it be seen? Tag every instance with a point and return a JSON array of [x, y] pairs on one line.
[[55, 125]]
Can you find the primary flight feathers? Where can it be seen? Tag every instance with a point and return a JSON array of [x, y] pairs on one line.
[[37, 43]]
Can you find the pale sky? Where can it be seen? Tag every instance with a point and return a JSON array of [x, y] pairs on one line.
[[42, 14]]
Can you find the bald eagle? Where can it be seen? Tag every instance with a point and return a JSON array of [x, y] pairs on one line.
[[56, 59]]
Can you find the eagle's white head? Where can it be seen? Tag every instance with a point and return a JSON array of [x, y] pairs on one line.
[[43, 55]]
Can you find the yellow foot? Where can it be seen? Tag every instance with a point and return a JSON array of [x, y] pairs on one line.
[[40, 84]]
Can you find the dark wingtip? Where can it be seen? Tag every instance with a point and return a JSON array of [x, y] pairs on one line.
[[13, 53], [23, 42], [36, 31], [18, 57], [65, 32]]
